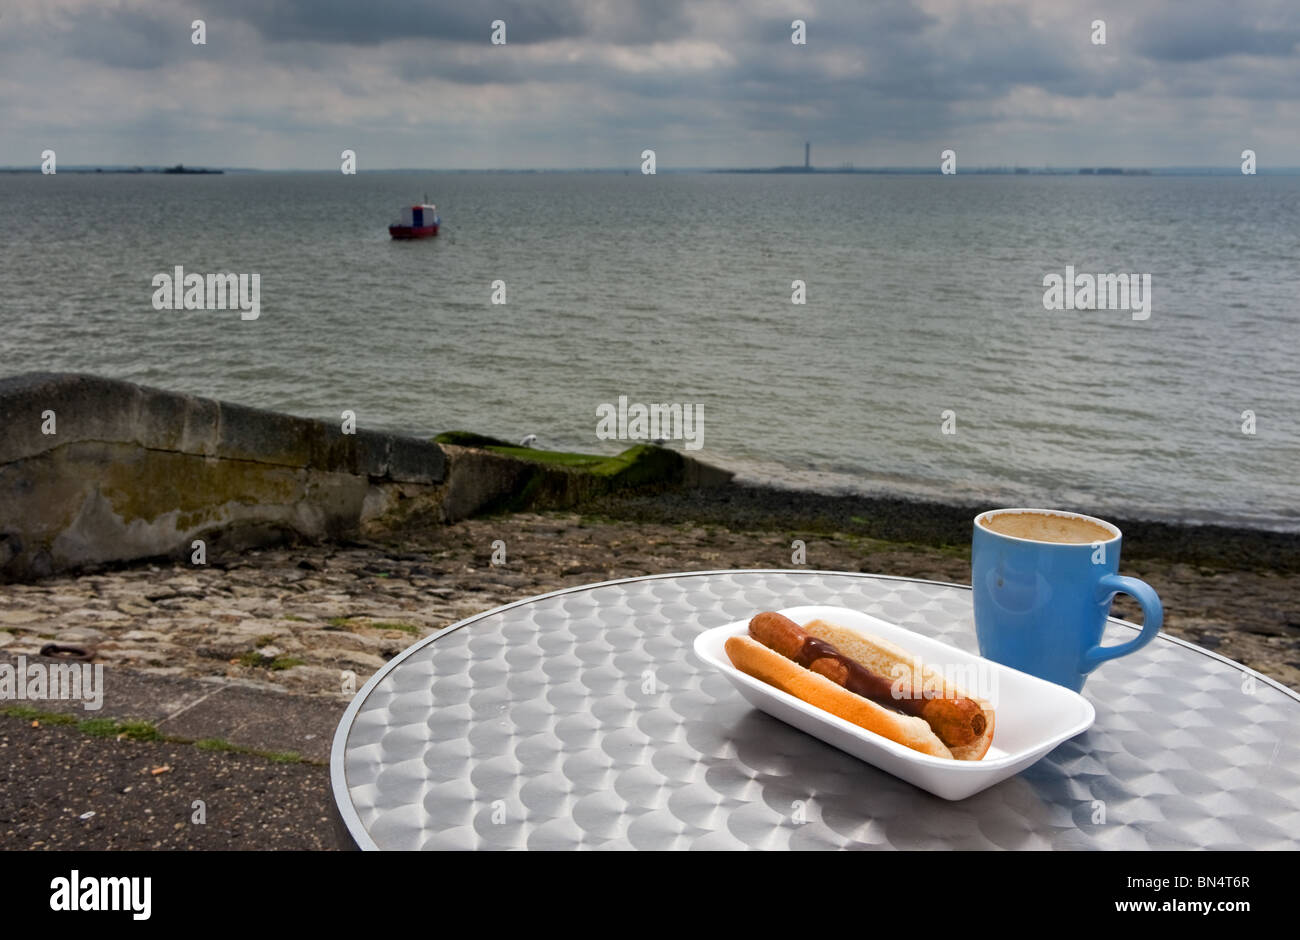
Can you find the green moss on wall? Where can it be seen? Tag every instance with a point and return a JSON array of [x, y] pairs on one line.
[[196, 488]]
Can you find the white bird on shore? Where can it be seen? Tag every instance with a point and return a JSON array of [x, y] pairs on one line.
[[528, 441]]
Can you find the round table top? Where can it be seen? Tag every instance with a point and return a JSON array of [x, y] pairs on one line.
[[583, 719]]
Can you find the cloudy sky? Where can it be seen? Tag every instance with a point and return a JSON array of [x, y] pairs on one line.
[[591, 83]]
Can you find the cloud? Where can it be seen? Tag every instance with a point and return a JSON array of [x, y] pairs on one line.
[[1201, 31], [584, 82], [348, 22]]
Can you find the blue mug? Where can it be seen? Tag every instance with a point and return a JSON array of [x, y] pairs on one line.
[[1041, 606]]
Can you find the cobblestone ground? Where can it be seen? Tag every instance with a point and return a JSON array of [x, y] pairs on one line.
[[298, 617]]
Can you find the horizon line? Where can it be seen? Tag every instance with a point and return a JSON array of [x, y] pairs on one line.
[[786, 170]]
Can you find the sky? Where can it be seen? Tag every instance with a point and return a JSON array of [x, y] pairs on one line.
[[289, 84]]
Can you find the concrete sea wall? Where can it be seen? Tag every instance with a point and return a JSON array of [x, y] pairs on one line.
[[96, 470]]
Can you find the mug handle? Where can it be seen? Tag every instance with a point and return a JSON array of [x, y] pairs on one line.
[[1153, 617]]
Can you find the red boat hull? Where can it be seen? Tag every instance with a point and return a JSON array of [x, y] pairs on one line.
[[413, 231]]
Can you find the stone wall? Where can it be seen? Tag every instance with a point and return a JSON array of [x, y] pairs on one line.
[[483, 481], [133, 472], [96, 470]]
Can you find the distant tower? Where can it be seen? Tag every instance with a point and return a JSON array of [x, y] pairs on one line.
[[807, 154]]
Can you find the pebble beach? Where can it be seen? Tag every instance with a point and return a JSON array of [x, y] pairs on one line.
[[298, 617]]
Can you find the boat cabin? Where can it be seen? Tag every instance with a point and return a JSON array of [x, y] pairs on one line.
[[418, 216]]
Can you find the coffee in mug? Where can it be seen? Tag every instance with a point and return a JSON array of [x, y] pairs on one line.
[[1047, 527]]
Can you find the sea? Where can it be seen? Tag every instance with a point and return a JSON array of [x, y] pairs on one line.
[[923, 361]]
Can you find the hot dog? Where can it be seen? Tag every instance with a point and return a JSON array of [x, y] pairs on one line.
[[866, 680]]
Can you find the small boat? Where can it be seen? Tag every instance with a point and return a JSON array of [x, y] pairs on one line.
[[416, 222]]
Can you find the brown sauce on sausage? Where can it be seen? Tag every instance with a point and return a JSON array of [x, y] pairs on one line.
[[859, 680]]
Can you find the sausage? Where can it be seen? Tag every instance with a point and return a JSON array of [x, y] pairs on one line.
[[956, 721]]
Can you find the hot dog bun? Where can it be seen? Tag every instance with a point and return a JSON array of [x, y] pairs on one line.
[[886, 658], [753, 658]]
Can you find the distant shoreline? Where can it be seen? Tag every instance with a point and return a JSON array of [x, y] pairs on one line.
[[177, 170], [1105, 171]]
